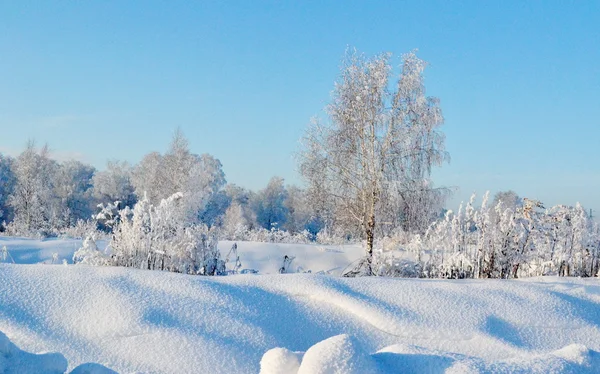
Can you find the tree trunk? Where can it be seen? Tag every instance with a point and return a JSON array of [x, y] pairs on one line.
[[370, 231]]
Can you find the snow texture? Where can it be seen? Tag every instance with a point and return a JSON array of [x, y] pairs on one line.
[[132, 320]]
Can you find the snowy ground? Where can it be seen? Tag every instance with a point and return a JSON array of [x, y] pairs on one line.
[[142, 321], [32, 251], [265, 258]]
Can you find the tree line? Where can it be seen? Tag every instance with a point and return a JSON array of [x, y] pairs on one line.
[[40, 196]]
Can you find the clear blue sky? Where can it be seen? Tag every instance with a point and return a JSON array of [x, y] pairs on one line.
[[519, 82]]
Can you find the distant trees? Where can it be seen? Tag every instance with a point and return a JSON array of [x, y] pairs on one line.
[[31, 198], [42, 197], [270, 208], [7, 184], [46, 196], [114, 184], [378, 145], [72, 192], [198, 178], [299, 214]]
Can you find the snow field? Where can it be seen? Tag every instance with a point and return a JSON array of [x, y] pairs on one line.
[[267, 258], [141, 321]]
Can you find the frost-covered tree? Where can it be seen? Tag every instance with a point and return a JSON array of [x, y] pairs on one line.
[[235, 223], [197, 177], [214, 211], [7, 184], [239, 217], [510, 199], [269, 205], [114, 184], [31, 199], [72, 193], [299, 215], [376, 141], [147, 178]]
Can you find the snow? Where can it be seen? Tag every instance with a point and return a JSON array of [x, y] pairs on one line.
[[35, 251], [14, 360], [340, 354], [280, 361], [132, 320], [266, 258]]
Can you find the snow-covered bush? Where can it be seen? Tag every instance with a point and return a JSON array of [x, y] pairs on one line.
[[156, 238], [509, 241], [89, 254], [108, 215]]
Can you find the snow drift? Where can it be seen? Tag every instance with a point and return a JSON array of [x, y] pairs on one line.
[[143, 321]]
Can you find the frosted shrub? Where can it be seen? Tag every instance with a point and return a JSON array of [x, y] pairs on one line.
[[507, 241], [157, 238]]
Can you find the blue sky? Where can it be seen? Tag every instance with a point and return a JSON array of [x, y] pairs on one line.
[[519, 82]]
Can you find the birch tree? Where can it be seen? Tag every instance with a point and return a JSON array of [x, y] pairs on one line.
[[377, 142]]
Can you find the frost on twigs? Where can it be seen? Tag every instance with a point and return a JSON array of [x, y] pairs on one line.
[[287, 264], [235, 258]]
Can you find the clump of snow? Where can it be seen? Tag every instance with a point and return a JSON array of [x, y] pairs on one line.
[[339, 354], [280, 361]]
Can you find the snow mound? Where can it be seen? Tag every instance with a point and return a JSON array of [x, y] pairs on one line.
[[280, 361], [91, 368], [14, 360], [340, 354]]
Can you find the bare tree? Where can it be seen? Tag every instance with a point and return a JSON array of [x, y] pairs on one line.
[[378, 143]]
